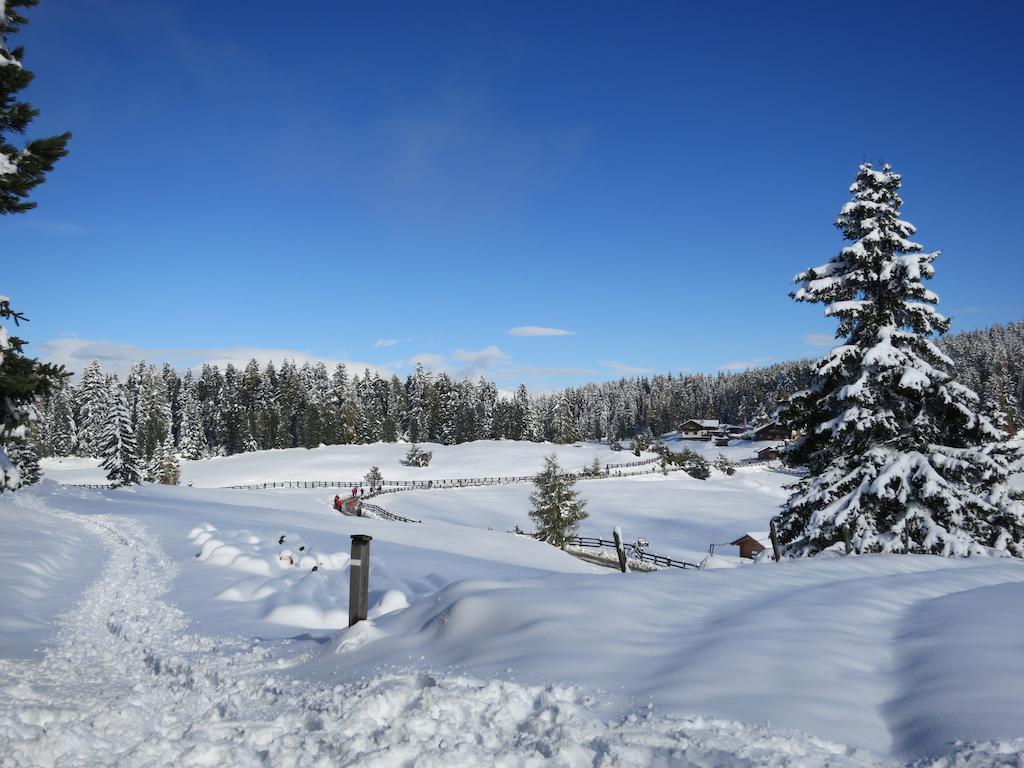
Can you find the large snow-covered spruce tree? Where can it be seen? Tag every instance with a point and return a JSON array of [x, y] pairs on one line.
[[557, 506], [900, 455]]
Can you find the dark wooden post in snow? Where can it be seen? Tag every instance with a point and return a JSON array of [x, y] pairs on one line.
[[359, 579], [775, 541], [846, 539], [619, 549]]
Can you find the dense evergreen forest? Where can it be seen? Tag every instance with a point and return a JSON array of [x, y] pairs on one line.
[[217, 412]]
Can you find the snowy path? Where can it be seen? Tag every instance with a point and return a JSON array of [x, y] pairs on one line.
[[125, 683]]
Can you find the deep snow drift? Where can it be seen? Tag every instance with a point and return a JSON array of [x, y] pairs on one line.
[[206, 638]]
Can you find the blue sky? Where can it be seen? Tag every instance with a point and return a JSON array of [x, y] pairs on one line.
[[390, 182]]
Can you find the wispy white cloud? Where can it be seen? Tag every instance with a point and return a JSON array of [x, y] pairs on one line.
[[479, 363], [538, 330], [622, 368], [486, 356], [743, 365], [117, 357], [532, 370], [819, 340], [380, 343], [460, 364], [491, 362], [429, 360]]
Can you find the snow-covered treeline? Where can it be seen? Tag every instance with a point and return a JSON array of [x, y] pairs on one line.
[[990, 361], [235, 410], [232, 411]]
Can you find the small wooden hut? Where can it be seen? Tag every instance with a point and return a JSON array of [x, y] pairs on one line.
[[752, 543]]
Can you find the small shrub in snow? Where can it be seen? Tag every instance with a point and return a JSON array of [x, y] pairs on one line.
[[692, 463], [417, 457], [724, 465], [557, 506], [374, 479]]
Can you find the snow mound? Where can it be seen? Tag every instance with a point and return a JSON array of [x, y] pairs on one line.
[[297, 585], [266, 555]]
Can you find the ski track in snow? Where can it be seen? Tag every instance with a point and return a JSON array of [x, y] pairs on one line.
[[124, 683]]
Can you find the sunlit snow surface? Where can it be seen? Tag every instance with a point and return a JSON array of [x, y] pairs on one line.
[[484, 458], [174, 626]]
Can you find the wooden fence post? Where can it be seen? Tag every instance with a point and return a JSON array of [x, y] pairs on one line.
[[359, 578], [619, 549], [846, 539], [775, 541]]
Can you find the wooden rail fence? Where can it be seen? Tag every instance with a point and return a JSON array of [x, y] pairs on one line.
[[373, 509], [632, 550], [397, 486]]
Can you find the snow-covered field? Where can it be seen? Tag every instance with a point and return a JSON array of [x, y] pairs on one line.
[[484, 458], [172, 625]]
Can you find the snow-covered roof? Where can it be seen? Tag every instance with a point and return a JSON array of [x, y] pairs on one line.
[[764, 538], [753, 431], [706, 423]]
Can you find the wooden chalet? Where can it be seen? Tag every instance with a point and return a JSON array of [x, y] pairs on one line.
[[771, 452], [773, 431], [752, 543], [700, 429]]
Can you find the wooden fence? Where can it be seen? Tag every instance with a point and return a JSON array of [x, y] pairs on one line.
[[632, 550], [396, 486], [640, 463], [373, 509]]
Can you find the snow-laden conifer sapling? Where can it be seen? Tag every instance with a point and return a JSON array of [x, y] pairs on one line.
[[557, 506]]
